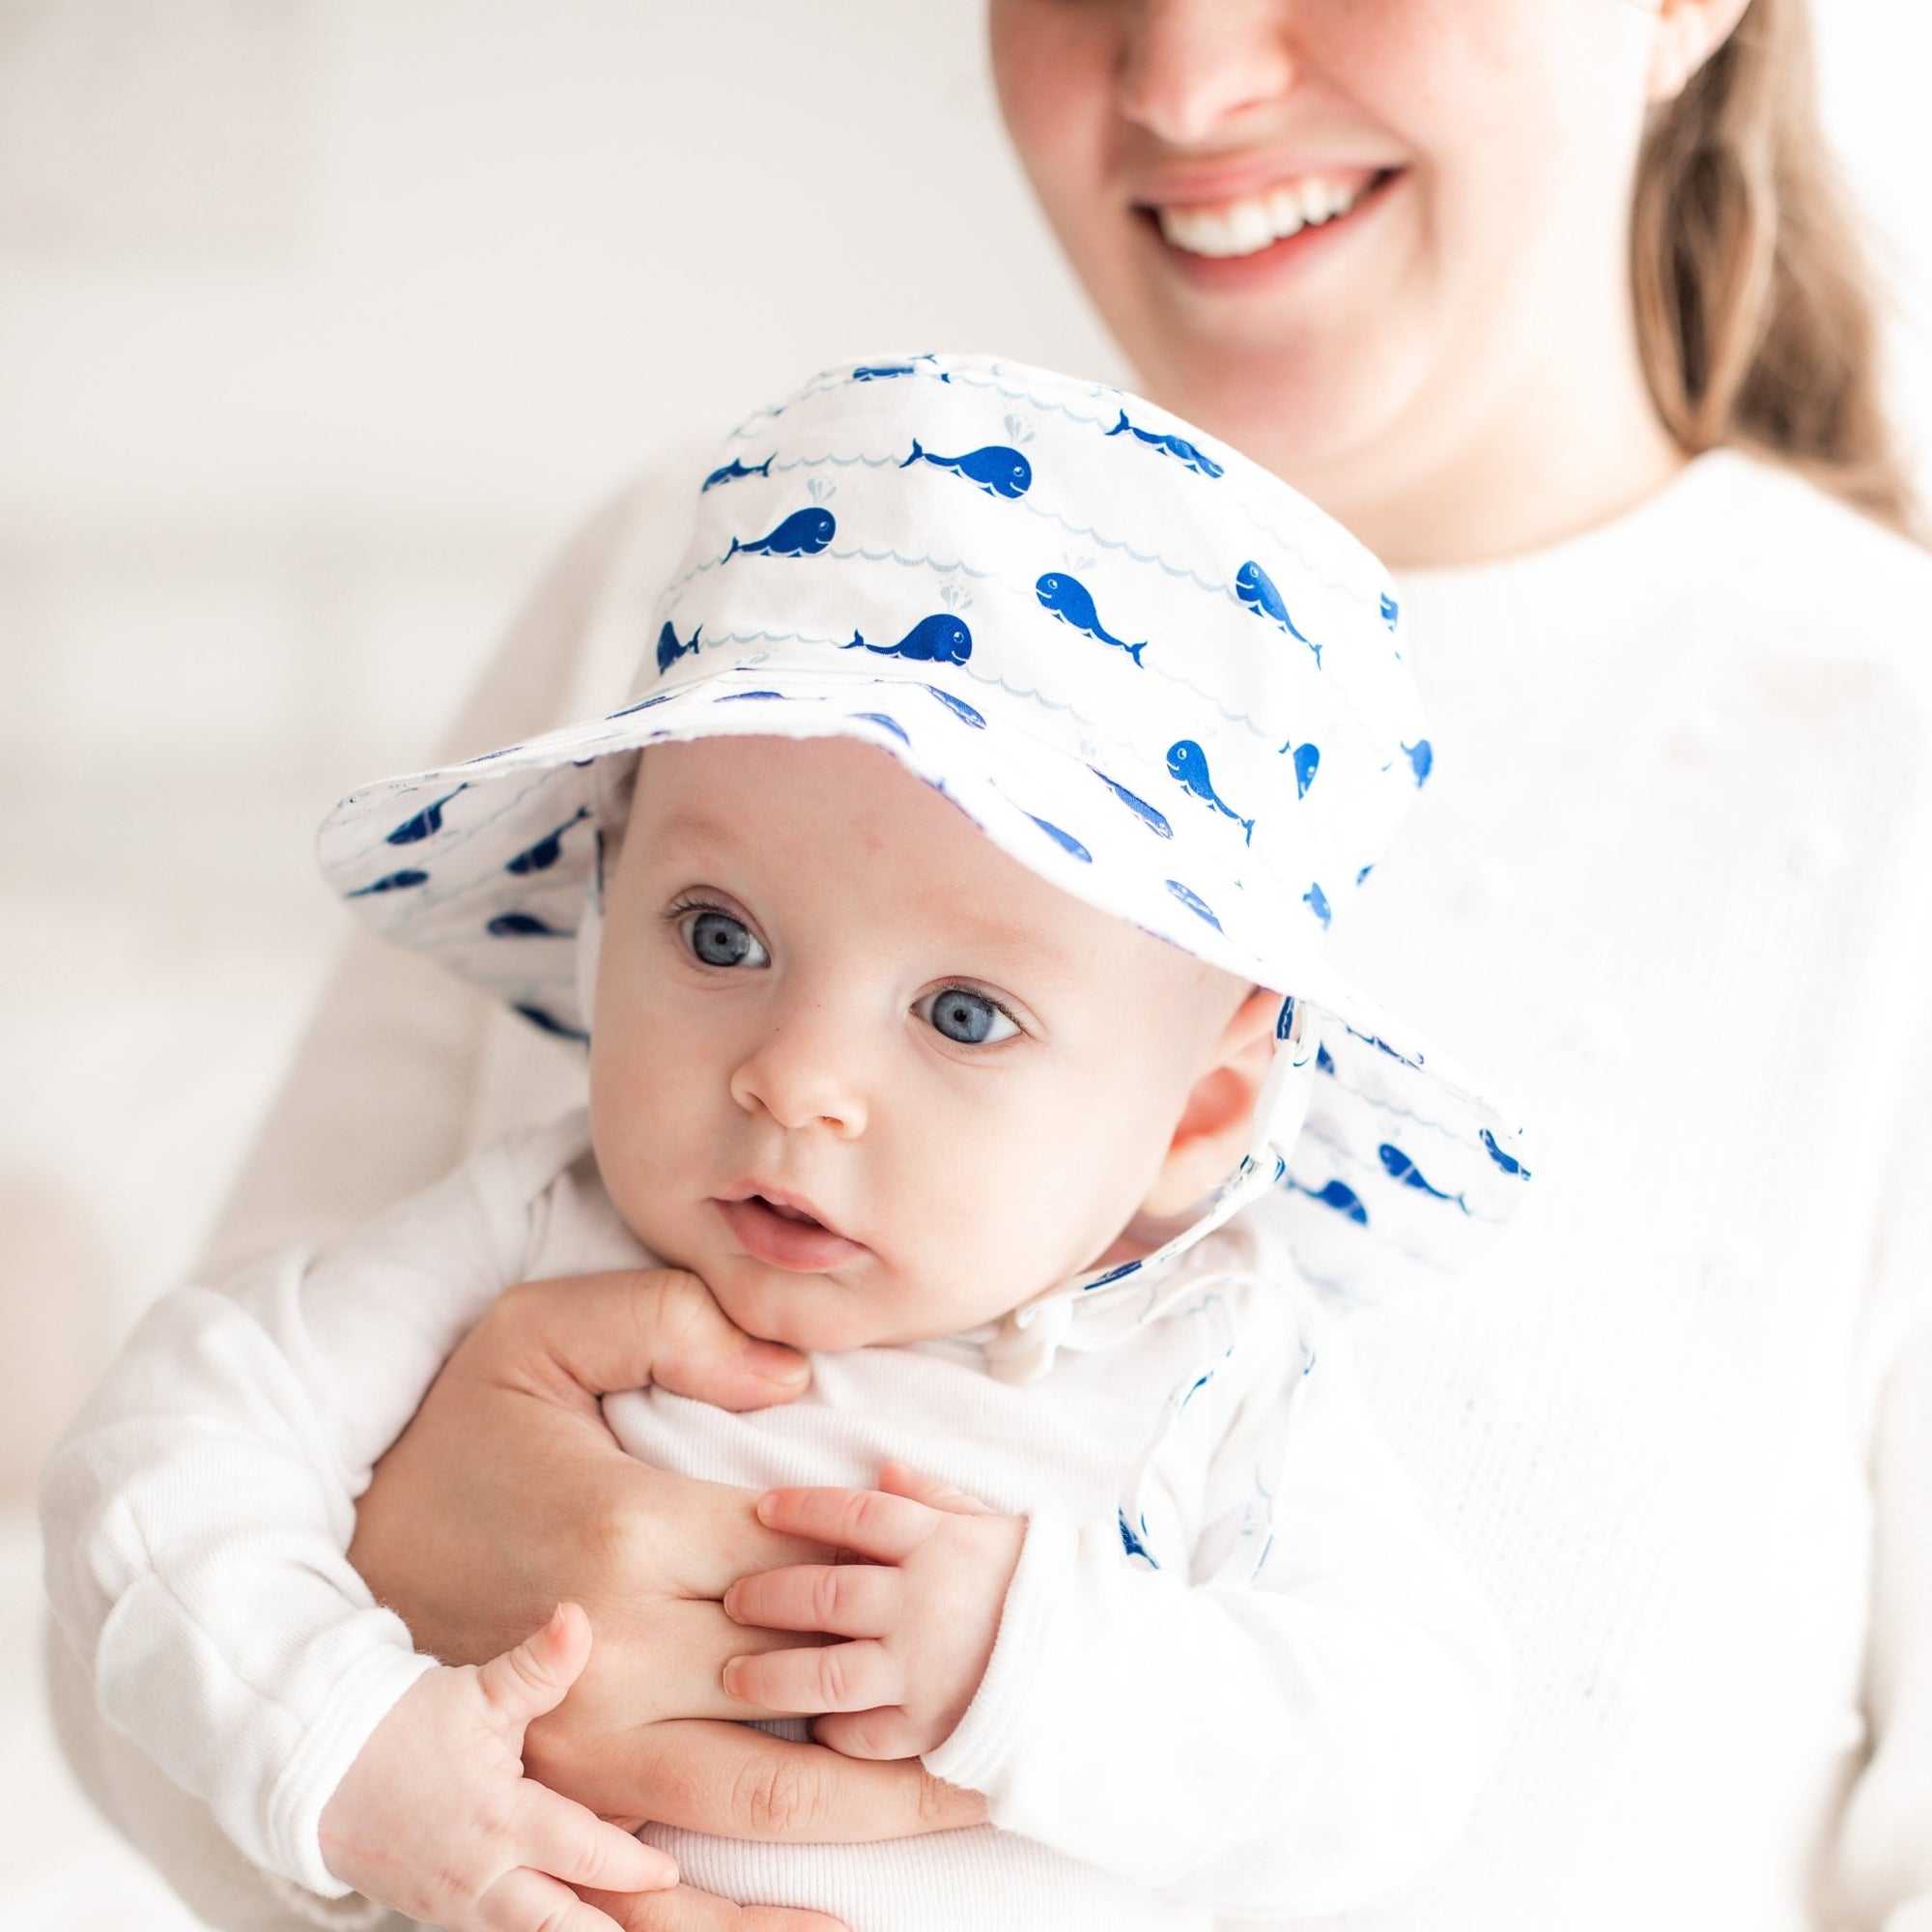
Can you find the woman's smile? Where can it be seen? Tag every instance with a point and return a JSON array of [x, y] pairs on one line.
[[1208, 217], [1231, 242]]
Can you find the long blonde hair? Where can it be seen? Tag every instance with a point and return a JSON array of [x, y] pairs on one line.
[[1758, 314]]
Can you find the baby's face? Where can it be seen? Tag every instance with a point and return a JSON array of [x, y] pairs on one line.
[[867, 1076]]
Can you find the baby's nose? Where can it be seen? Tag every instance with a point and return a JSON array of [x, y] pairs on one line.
[[804, 1073]]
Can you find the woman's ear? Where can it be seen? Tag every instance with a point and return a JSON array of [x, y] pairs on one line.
[[1217, 1121], [1688, 32]]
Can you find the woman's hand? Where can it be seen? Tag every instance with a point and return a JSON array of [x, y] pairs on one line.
[[508, 1494]]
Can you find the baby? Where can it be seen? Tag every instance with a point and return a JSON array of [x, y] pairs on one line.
[[944, 917]]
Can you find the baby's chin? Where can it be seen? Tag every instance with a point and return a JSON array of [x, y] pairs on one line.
[[821, 1314]]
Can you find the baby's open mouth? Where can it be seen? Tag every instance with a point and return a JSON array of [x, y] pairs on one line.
[[785, 1234], [780, 1209]]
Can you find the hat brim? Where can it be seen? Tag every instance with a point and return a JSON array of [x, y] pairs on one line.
[[485, 864]]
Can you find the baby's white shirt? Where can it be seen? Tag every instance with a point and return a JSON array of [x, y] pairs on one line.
[[1235, 1672]]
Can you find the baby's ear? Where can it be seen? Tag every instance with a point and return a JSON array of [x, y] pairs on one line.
[[1217, 1122]]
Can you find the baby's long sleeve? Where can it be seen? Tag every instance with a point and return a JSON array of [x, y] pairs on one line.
[[1297, 1727], [198, 1513]]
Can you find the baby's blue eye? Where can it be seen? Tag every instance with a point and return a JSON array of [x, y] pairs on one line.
[[717, 939], [967, 1017]]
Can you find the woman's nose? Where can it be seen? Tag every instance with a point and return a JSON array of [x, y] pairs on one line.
[[804, 1073], [1192, 66]]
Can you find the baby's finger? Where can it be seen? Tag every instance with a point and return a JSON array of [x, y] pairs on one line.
[[868, 1522], [535, 1676], [560, 1837], [840, 1598], [838, 1677], [897, 1480], [885, 1733], [526, 1901]]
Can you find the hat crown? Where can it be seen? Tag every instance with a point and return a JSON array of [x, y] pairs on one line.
[[1113, 581]]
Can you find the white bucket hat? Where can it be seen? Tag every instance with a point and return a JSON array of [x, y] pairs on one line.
[[1139, 664]]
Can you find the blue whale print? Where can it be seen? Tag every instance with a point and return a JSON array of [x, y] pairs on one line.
[[669, 651], [1338, 1194], [1307, 762], [1508, 1162], [1131, 1540], [731, 473], [998, 470], [1073, 603], [1317, 902], [1194, 902], [880, 372], [1392, 611], [1176, 446], [426, 824], [959, 707], [1421, 757], [1187, 763], [1135, 804], [548, 850], [941, 639], [1066, 841], [525, 925], [1402, 1168], [547, 1022], [1113, 1274], [803, 533], [392, 882], [891, 724], [1256, 588]]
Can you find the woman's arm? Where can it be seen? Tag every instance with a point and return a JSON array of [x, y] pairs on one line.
[[1884, 1854], [509, 1451], [399, 1074], [402, 1070]]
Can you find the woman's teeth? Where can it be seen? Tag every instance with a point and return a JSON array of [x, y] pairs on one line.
[[1247, 226]]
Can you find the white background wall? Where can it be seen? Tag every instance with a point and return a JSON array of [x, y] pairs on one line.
[[320, 322]]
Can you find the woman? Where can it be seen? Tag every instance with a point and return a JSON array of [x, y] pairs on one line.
[[1677, 845]]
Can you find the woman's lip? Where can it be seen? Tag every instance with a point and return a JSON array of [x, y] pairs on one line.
[[1208, 187], [803, 1247]]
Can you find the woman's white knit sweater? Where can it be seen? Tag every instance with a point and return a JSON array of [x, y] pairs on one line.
[[1671, 887]]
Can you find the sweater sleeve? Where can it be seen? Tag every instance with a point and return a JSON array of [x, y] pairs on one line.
[[198, 1513], [1885, 1845], [1296, 1726], [402, 1070]]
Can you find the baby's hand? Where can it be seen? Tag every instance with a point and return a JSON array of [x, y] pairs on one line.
[[436, 1819], [924, 1607]]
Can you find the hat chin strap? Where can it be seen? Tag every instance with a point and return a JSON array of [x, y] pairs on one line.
[[1095, 1310]]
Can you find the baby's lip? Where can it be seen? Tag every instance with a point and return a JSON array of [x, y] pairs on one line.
[[784, 1229]]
